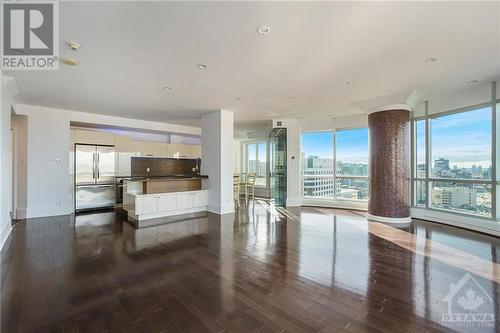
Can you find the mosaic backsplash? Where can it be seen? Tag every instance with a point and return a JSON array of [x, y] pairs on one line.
[[159, 166]]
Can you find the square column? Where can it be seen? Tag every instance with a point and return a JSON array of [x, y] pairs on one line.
[[217, 159]]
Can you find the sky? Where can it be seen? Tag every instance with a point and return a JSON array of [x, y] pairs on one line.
[[352, 145], [463, 138]]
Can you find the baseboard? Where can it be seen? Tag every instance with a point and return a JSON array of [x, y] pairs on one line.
[[164, 220], [392, 220], [465, 222], [340, 204], [5, 235], [293, 202], [21, 213], [44, 212], [221, 209]]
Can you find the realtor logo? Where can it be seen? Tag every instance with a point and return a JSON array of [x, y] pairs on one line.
[[469, 305], [30, 38]]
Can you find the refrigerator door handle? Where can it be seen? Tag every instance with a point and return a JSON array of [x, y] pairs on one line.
[[93, 164], [97, 166]]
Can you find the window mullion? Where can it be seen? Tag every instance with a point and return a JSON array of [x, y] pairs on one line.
[[427, 154]]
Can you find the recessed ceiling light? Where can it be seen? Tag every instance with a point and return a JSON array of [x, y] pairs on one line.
[[273, 114], [202, 66], [263, 29], [69, 61], [429, 60], [74, 46], [472, 81], [167, 88], [291, 97], [346, 83], [238, 98]]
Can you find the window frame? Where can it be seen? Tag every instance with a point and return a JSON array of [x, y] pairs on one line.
[[334, 176], [246, 144], [428, 180]]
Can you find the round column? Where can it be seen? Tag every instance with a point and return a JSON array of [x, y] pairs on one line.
[[389, 187]]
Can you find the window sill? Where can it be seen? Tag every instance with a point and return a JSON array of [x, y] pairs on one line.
[[480, 224], [336, 203]]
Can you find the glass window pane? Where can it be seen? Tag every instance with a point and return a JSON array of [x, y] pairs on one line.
[[420, 148], [462, 197], [350, 188], [420, 193], [252, 158], [461, 145], [317, 164], [352, 152], [261, 164]]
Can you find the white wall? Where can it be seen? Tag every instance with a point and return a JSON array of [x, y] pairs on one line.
[[293, 148], [217, 159], [48, 170], [20, 163], [329, 123], [8, 89]]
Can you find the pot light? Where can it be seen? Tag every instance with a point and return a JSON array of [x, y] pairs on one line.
[[202, 66], [167, 88], [472, 81], [346, 83], [263, 29], [74, 46], [429, 60], [69, 61]]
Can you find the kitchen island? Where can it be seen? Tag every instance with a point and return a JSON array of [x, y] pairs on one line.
[[156, 200]]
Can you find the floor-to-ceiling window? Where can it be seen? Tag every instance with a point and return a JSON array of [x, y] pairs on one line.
[[317, 164], [351, 148], [256, 161], [453, 161], [347, 150]]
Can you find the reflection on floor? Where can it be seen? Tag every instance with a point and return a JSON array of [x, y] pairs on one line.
[[261, 269]]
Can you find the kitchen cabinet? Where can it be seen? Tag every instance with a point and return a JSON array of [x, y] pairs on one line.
[[169, 203], [181, 150], [146, 204], [153, 149], [93, 137]]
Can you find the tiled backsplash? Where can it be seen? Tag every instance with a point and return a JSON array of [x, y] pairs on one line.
[[159, 166]]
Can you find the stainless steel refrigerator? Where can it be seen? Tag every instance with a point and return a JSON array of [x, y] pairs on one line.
[[94, 177]]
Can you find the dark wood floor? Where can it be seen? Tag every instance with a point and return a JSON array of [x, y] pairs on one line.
[[266, 270]]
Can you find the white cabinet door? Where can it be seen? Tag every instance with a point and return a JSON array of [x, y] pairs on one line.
[[146, 205], [184, 200], [167, 202], [200, 199]]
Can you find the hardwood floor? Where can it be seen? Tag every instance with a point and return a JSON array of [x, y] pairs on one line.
[[262, 269]]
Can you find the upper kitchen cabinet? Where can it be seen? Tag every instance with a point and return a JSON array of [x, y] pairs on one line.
[[92, 137], [181, 150], [153, 149]]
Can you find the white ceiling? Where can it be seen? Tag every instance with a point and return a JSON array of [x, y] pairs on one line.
[[131, 50]]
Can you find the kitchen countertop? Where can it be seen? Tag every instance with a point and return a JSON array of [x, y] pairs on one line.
[[164, 178]]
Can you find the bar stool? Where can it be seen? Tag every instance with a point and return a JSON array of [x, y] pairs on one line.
[[236, 189], [250, 185]]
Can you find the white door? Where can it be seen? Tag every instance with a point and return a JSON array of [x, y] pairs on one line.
[[167, 202], [146, 205], [200, 199], [184, 200]]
